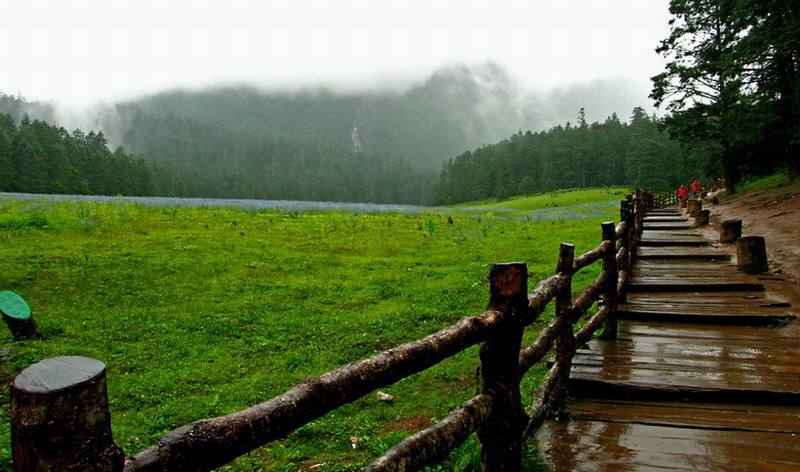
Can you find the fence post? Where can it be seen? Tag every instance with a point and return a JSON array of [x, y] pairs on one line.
[[565, 342], [610, 292], [626, 215], [501, 435], [60, 419]]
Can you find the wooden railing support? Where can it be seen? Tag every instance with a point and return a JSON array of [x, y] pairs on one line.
[[610, 291], [501, 435], [565, 343]]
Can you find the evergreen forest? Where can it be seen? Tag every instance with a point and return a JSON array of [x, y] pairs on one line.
[[639, 153], [37, 157]]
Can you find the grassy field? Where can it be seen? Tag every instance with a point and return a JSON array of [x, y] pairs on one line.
[[202, 312], [556, 199]]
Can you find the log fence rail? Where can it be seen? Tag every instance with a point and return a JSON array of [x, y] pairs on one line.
[[496, 414]]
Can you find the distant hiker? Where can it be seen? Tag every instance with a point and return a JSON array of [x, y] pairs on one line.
[[712, 196], [695, 187], [682, 192]]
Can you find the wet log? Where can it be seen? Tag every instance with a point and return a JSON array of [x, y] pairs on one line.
[[592, 256], [501, 433], [18, 316], [60, 419], [702, 218], [751, 254], [536, 351], [694, 207], [610, 293], [622, 294], [545, 291], [542, 405], [432, 445], [622, 256], [620, 229], [207, 444], [590, 294], [585, 333], [565, 342], [730, 231]]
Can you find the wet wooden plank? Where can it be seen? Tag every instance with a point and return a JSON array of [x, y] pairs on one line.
[[679, 366], [691, 253], [691, 297], [654, 242], [668, 235], [780, 336], [598, 445], [739, 306], [765, 418], [666, 226], [692, 284], [665, 219], [704, 316]]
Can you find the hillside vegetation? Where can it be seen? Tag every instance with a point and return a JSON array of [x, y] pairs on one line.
[[555, 199], [202, 312]]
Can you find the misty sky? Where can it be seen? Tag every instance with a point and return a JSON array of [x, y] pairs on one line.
[[80, 51]]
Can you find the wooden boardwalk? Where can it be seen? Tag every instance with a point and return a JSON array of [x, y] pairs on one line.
[[704, 374]]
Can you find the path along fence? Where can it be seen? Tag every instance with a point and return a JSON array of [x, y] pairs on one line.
[[496, 414]]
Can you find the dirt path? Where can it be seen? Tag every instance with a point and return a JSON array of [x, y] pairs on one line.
[[773, 214]]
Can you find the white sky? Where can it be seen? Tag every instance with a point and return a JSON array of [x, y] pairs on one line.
[[80, 51]]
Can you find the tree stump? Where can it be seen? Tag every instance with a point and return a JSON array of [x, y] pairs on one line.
[[682, 203], [17, 315], [693, 207], [702, 218], [751, 254], [730, 231], [60, 420]]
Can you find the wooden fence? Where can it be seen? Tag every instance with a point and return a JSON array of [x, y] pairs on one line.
[[496, 414]]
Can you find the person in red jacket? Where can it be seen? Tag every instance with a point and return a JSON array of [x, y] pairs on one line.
[[695, 187], [682, 192]]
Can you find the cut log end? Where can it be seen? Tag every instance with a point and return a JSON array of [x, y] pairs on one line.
[[60, 419], [702, 218], [730, 231], [58, 373], [751, 254]]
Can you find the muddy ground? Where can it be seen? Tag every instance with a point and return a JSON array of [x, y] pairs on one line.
[[773, 214]]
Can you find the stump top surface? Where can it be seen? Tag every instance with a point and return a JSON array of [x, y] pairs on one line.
[[58, 373], [14, 306]]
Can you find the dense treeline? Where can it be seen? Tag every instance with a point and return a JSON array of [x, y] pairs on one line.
[[732, 82], [194, 159], [38, 157], [638, 153]]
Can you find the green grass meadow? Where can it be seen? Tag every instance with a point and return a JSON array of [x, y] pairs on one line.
[[200, 312], [555, 199]]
